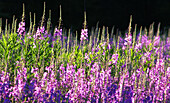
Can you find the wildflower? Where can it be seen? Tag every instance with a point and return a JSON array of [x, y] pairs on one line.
[[156, 41], [147, 55], [114, 59], [58, 32], [105, 44], [120, 42], [128, 39], [39, 32], [127, 94], [160, 65], [87, 57], [21, 29], [145, 40], [33, 70], [138, 47], [84, 34], [112, 89], [34, 46]]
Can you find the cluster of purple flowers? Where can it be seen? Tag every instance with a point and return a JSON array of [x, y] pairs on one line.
[[145, 40], [93, 81], [21, 29], [157, 41], [84, 34], [58, 32], [114, 59], [40, 31], [72, 86], [128, 39]]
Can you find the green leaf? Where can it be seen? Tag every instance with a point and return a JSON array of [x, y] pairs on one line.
[[2, 45]]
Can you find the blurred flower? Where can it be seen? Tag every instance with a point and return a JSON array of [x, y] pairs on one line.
[[33, 70], [138, 47], [40, 31], [58, 32], [21, 29], [156, 41], [147, 55], [34, 46], [84, 34], [160, 65], [128, 39], [114, 59], [145, 40], [86, 57]]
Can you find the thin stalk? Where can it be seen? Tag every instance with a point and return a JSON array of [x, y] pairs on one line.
[[158, 30], [151, 31], [146, 31], [103, 35], [9, 30], [23, 14], [76, 38], [134, 36], [6, 29], [13, 24], [33, 30], [0, 26], [140, 35], [112, 31], [43, 17], [60, 19], [98, 35], [68, 41], [49, 22]]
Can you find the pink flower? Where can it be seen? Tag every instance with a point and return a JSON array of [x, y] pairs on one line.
[[145, 40], [21, 29], [114, 59], [58, 32], [40, 30], [138, 47], [128, 39], [156, 41], [84, 34]]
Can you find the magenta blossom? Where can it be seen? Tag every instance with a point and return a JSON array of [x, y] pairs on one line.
[[156, 41], [145, 40], [128, 39], [84, 34], [21, 29], [58, 32], [114, 59], [40, 31]]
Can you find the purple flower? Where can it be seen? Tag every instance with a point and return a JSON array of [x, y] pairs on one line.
[[34, 46], [84, 34], [160, 65], [86, 57], [156, 41], [21, 29], [7, 101], [58, 32], [114, 59], [147, 55], [104, 44], [112, 89], [128, 39], [138, 47], [168, 72], [40, 31], [145, 40], [33, 70]]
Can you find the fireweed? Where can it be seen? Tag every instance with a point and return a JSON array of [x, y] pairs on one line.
[[52, 70]]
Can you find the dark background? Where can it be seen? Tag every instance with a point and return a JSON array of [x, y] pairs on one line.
[[107, 12]]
